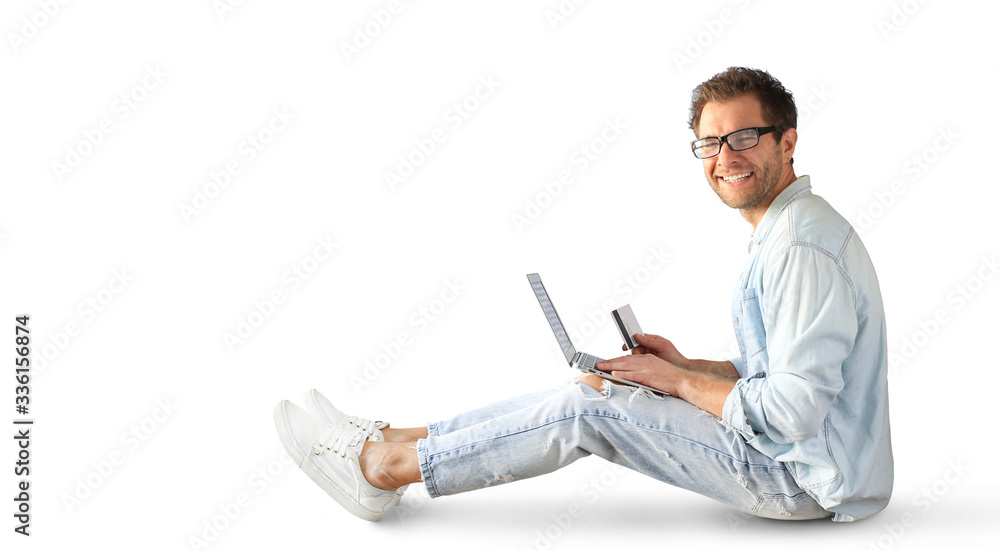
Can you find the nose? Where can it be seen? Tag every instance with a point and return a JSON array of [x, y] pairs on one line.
[[726, 155]]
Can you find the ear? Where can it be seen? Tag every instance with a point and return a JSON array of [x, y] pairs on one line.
[[787, 145]]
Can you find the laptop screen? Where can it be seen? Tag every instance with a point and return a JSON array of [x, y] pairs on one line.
[[552, 316]]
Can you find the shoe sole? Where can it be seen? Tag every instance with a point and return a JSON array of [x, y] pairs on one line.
[[318, 476]]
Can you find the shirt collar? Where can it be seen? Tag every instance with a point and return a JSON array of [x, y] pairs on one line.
[[796, 189]]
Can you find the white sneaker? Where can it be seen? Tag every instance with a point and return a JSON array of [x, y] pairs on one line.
[[328, 454], [320, 406]]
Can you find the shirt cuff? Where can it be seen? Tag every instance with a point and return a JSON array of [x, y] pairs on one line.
[[741, 367], [733, 414]]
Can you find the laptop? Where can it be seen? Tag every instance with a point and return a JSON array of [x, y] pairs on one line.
[[580, 360]]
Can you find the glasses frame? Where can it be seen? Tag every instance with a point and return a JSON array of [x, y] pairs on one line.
[[761, 130]]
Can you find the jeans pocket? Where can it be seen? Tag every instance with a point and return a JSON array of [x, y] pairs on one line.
[[800, 506]]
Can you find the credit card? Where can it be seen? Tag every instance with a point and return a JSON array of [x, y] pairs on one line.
[[627, 325]]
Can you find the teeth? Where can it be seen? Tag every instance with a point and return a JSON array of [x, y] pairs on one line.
[[736, 177]]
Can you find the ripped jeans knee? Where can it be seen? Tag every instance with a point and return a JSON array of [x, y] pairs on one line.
[[604, 386], [596, 382]]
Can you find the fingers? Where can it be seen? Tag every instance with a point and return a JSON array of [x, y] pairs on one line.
[[622, 374], [654, 344], [639, 350], [613, 363], [622, 363]]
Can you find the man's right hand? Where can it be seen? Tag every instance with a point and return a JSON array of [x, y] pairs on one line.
[[659, 347]]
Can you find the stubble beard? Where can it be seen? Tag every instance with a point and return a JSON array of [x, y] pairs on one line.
[[767, 177]]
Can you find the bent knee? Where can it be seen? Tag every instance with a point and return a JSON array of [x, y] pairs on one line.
[[595, 382]]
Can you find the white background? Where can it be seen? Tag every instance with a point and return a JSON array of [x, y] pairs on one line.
[[141, 372]]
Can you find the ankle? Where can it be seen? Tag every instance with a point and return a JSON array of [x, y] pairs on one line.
[[404, 435], [376, 466]]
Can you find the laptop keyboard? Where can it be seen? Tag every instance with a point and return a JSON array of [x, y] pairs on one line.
[[587, 360]]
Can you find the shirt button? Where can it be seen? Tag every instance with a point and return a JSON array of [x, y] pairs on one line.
[[747, 420]]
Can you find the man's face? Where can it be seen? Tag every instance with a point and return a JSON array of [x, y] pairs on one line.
[[744, 179]]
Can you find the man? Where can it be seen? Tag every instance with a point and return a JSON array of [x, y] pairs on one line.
[[801, 421]]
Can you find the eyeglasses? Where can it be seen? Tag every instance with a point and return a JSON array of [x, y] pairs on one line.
[[739, 140]]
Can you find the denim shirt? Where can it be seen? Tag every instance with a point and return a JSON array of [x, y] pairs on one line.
[[813, 358]]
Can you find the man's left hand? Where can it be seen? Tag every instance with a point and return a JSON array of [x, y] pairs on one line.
[[698, 388], [645, 369]]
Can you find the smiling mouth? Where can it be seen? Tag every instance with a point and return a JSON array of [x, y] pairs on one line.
[[736, 178]]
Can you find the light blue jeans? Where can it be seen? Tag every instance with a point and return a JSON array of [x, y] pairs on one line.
[[665, 438]]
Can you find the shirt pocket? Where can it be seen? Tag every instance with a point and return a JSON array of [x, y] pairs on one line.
[[751, 324]]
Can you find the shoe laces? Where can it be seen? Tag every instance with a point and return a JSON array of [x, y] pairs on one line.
[[338, 440], [367, 426], [343, 442]]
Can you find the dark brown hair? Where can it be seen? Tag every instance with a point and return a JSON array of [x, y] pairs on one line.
[[776, 101]]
